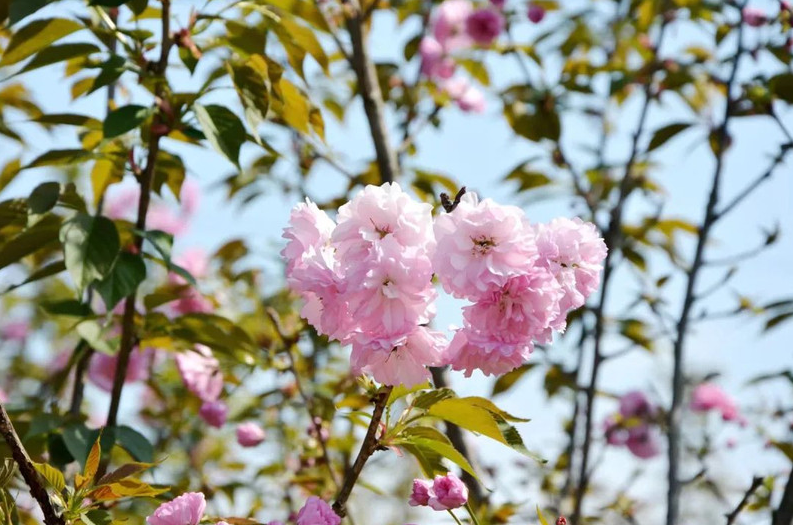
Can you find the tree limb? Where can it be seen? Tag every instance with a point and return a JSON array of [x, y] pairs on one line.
[[368, 447], [28, 471], [732, 516], [783, 515]]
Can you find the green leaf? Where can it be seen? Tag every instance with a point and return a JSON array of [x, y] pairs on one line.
[[69, 119], [251, 80], [44, 197], [481, 416], [427, 399], [98, 337], [48, 270], [127, 274], [97, 517], [434, 440], [79, 441], [59, 157], [70, 307], [782, 86], [7, 471], [135, 443], [90, 247], [295, 109], [223, 130], [58, 53], [110, 71], [291, 32], [40, 236], [664, 134], [36, 36], [53, 476], [124, 119], [505, 382], [20, 9], [123, 472], [108, 169]]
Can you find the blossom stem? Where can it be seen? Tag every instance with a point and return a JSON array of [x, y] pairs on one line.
[[456, 519], [27, 470], [471, 513], [368, 447]]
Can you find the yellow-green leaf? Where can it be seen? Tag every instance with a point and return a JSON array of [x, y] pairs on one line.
[[36, 36], [53, 476]]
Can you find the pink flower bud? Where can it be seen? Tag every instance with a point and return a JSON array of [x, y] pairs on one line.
[[250, 434], [754, 17], [317, 512], [484, 26], [536, 13], [449, 492], [422, 490], [214, 413]]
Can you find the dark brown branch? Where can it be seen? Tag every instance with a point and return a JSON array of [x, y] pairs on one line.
[[613, 239], [784, 514], [732, 516], [27, 470], [83, 354], [455, 435], [145, 181], [289, 342], [675, 415], [368, 447], [369, 89]]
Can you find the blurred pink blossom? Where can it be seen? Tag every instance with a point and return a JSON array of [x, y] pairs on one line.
[[709, 396], [214, 413], [484, 25], [200, 372], [249, 434], [102, 368], [161, 216], [187, 509], [535, 13], [435, 62], [16, 330], [754, 17], [448, 24], [317, 512], [3, 396]]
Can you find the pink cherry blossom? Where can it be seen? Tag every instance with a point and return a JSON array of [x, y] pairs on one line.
[[195, 261], [200, 372], [187, 509], [536, 13], [405, 363], [378, 214], [448, 492], [484, 25], [102, 368], [709, 396], [161, 216], [249, 434], [448, 24], [467, 96], [420, 496], [754, 17], [480, 246], [16, 330], [310, 228], [191, 301], [574, 252], [471, 350], [317, 512], [635, 404], [394, 293], [3, 396], [435, 63], [644, 441], [214, 413]]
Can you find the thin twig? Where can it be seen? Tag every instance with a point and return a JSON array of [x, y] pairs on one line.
[[369, 89], [145, 181], [368, 447], [27, 470], [613, 239], [675, 415], [83, 353], [289, 343], [732, 516], [783, 515]]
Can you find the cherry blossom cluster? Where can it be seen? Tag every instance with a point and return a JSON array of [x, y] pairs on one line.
[[635, 426], [443, 493], [367, 280], [709, 397], [189, 508]]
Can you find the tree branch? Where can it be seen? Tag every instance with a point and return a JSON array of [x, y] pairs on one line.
[[613, 239], [784, 514], [368, 447], [369, 89], [145, 181], [674, 417], [28, 471], [732, 516]]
